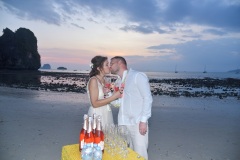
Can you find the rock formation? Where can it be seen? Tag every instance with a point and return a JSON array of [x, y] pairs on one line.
[[18, 50], [62, 68], [46, 66]]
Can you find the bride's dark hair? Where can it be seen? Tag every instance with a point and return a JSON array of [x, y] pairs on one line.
[[97, 61]]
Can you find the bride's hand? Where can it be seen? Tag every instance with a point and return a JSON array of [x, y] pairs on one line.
[[117, 94], [121, 90]]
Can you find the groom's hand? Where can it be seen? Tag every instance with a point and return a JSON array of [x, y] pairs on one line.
[[143, 128]]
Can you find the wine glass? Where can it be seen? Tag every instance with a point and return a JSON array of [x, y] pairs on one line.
[[124, 141]]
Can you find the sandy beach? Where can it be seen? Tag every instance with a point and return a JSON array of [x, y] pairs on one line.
[[34, 125]]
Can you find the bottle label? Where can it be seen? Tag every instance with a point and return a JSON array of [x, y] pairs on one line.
[[91, 144], [101, 145], [82, 143]]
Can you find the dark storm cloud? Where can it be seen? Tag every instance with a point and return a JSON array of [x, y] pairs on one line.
[[151, 14]]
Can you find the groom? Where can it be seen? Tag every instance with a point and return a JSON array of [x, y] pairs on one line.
[[136, 103]]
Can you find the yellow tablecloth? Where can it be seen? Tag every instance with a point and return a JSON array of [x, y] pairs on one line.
[[71, 152]]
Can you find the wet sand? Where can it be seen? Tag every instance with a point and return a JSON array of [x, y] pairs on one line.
[[34, 125]]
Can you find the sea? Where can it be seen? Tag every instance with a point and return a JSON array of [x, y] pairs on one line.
[[170, 75], [195, 75]]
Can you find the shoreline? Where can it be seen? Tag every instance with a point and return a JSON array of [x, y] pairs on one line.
[[36, 124], [76, 82]]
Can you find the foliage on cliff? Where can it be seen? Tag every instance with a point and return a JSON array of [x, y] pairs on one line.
[[19, 50]]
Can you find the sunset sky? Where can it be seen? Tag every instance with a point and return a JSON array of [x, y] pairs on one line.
[[153, 35]]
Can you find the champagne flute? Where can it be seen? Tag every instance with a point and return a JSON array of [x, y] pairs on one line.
[[123, 132]]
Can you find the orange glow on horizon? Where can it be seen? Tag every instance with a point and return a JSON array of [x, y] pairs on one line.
[[116, 53], [65, 60]]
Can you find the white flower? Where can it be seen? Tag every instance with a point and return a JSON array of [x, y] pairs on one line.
[[91, 65], [117, 103]]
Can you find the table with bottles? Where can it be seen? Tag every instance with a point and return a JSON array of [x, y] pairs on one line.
[[112, 142], [71, 152]]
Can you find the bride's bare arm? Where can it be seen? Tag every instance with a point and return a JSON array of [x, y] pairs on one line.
[[93, 92]]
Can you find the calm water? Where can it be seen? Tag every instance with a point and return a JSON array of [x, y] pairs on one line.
[[172, 75], [198, 75]]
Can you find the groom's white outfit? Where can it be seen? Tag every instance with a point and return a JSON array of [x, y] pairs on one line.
[[136, 105]]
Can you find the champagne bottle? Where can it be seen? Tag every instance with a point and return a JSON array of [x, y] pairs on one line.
[[89, 139], [99, 135], [94, 124], [83, 132]]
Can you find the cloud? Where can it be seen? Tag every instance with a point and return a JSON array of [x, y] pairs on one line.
[[148, 15], [91, 20], [77, 26], [214, 13], [34, 10], [217, 53], [203, 47], [215, 32], [142, 29]]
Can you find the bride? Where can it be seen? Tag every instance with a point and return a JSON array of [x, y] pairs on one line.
[[96, 90]]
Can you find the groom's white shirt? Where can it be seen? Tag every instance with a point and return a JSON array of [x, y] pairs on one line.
[[136, 102]]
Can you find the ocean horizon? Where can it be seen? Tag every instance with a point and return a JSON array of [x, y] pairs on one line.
[[166, 75]]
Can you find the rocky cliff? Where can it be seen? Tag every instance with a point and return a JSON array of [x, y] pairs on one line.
[[18, 50]]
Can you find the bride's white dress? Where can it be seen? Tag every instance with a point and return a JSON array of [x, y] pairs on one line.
[[104, 111]]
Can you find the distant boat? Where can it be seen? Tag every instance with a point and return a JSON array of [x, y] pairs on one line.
[[176, 69], [204, 71]]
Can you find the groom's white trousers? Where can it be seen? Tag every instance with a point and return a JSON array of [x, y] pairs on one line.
[[139, 142]]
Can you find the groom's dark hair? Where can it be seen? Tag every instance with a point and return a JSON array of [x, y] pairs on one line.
[[121, 59]]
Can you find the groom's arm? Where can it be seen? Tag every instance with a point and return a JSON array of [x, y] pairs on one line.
[[143, 86]]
